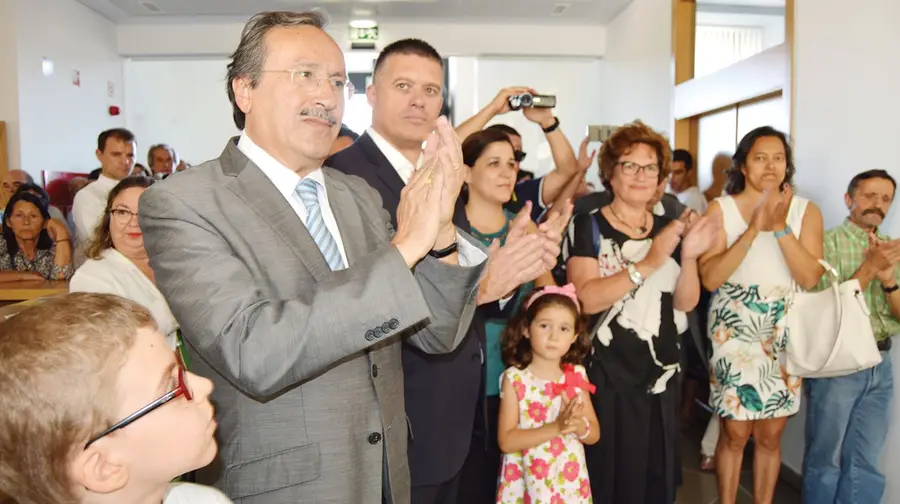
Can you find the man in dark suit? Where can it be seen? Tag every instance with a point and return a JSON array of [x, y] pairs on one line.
[[441, 391]]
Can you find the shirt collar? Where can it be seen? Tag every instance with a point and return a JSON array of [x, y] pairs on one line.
[[858, 232], [284, 179], [106, 182], [400, 163]]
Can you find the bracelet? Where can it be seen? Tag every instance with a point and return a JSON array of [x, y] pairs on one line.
[[588, 431], [552, 127], [888, 290], [784, 232], [65, 240]]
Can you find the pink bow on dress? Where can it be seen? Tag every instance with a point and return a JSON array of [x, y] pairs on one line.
[[573, 383]]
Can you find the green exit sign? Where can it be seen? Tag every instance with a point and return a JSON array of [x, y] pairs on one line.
[[368, 34]]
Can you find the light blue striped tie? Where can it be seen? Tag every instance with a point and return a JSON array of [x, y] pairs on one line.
[[308, 194]]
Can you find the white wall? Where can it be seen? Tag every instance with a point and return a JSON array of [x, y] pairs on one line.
[[9, 89], [637, 72], [179, 102], [220, 39], [846, 107], [58, 121], [576, 82]]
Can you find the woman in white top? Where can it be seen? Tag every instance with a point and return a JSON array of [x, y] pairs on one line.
[[117, 261], [772, 241]]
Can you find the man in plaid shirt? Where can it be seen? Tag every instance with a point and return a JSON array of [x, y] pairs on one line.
[[848, 416]]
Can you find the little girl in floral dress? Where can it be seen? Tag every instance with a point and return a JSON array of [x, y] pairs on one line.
[[545, 412]]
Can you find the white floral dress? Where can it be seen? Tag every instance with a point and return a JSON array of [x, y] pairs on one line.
[[554, 472]]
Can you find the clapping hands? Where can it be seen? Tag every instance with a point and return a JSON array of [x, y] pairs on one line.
[[526, 255]]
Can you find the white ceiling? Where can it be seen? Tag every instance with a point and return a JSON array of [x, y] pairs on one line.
[[486, 11]]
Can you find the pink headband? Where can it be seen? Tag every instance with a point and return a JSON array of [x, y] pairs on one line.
[[567, 290]]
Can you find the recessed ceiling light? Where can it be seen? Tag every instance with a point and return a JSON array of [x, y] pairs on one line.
[[362, 13]]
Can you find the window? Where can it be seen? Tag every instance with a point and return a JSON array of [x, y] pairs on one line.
[[717, 47]]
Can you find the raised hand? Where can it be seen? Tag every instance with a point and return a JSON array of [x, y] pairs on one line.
[[759, 220], [418, 214], [500, 103], [539, 115], [883, 257], [779, 204], [523, 258], [665, 243], [570, 414], [56, 230], [584, 160], [700, 237], [449, 155]]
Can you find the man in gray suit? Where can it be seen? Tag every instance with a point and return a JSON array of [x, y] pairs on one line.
[[291, 288]]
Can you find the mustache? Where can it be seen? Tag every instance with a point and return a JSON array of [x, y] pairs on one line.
[[319, 113], [876, 211]]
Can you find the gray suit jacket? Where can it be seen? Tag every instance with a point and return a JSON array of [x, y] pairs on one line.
[[306, 361]]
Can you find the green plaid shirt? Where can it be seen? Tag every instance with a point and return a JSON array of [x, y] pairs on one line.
[[845, 249]]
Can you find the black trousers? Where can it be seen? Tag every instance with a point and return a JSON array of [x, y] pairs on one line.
[[481, 471], [443, 493]]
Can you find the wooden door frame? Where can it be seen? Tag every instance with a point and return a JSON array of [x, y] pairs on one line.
[[771, 71]]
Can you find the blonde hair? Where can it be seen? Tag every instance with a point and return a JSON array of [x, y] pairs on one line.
[[58, 365]]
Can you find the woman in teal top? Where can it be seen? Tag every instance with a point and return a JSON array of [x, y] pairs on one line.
[[491, 178]]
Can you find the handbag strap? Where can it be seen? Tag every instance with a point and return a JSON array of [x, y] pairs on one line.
[[835, 289]]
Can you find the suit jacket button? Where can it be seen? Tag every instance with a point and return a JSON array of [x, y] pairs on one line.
[[374, 371], [378, 332], [394, 323], [374, 438], [386, 328], [370, 335]]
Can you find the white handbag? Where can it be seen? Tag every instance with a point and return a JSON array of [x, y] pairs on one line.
[[829, 331]]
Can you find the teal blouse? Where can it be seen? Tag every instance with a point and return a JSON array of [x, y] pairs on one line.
[[493, 360]]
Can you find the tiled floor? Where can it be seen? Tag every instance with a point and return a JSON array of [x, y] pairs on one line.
[[700, 487]]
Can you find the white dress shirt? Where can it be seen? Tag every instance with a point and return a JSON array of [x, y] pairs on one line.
[[89, 206], [190, 493], [286, 180], [115, 274], [693, 199], [401, 164]]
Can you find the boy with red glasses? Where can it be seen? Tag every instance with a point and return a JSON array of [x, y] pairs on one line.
[[96, 408]]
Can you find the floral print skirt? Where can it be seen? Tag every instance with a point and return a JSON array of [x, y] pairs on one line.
[[749, 335]]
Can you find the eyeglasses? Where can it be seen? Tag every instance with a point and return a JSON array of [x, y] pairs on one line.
[[631, 169], [519, 155], [307, 81], [182, 389], [122, 215]]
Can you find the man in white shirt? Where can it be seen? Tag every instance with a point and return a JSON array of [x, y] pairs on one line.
[[680, 182], [115, 151]]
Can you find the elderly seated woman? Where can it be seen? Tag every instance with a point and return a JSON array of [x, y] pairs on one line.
[[34, 246], [117, 261]]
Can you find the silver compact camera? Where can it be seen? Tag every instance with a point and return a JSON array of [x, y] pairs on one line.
[[526, 100]]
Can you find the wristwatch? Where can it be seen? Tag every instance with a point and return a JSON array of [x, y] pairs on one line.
[[636, 278], [784, 232], [444, 252], [552, 127]]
